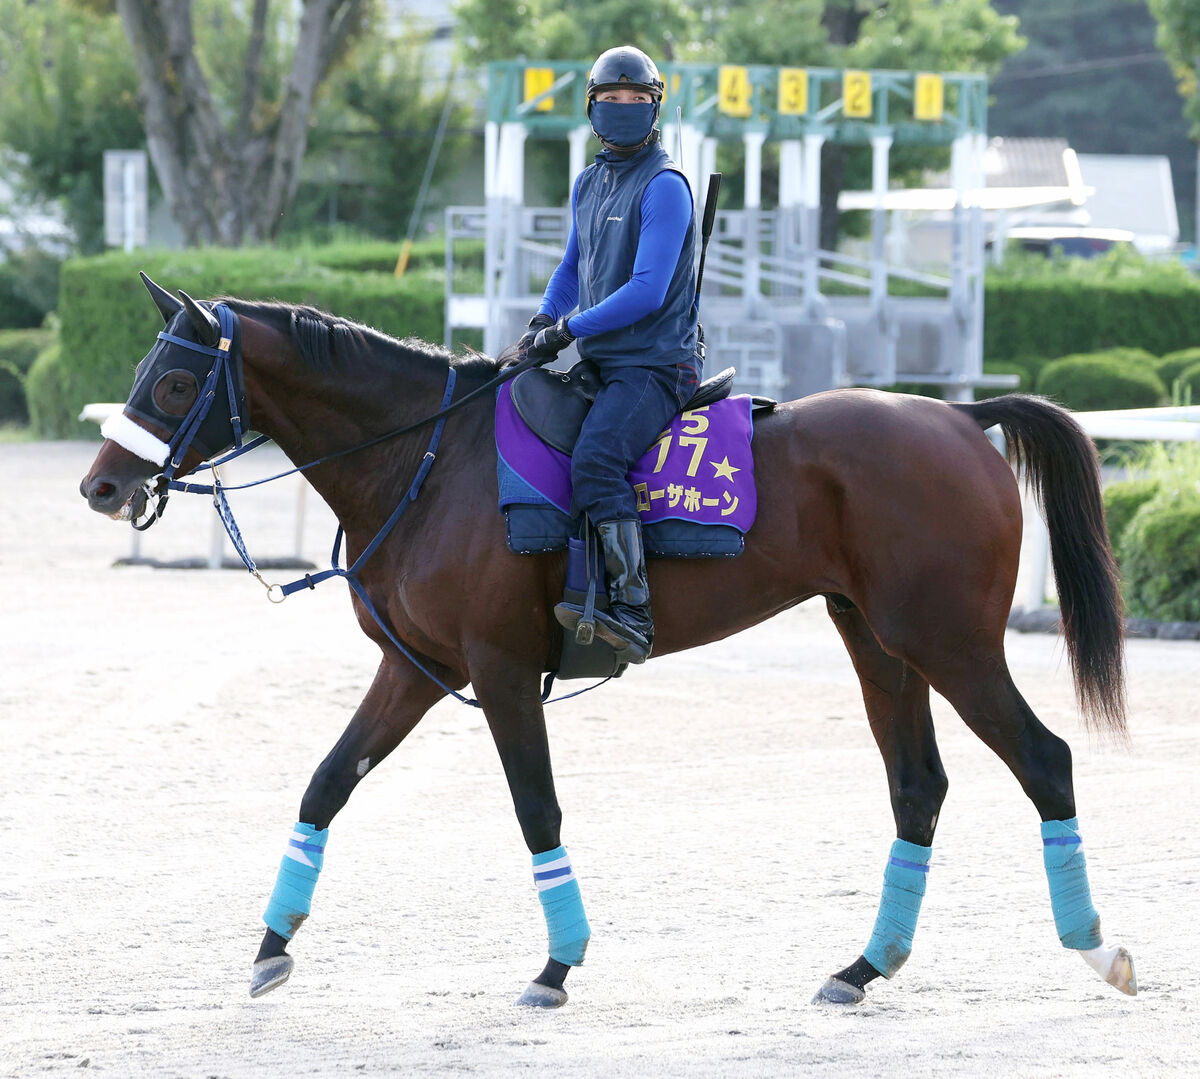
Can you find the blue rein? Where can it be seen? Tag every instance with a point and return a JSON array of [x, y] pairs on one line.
[[181, 442]]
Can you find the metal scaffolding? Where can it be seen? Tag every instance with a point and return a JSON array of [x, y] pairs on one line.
[[793, 318]]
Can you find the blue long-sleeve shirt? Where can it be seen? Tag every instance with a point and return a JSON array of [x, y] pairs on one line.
[[666, 214]]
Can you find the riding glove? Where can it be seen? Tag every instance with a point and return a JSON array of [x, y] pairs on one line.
[[551, 340], [539, 321]]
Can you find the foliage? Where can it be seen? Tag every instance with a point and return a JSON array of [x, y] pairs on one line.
[[1101, 380], [1179, 39], [108, 322], [1053, 314], [1188, 383], [70, 92], [28, 288], [1161, 568], [53, 407], [1159, 545], [1173, 364], [1005, 367], [18, 350], [373, 133], [1122, 500]]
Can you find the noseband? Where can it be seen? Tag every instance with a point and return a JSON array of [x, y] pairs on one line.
[[226, 367]]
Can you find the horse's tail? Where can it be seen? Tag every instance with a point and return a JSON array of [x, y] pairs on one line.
[[1060, 465]]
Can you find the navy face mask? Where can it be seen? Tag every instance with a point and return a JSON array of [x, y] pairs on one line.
[[621, 125]]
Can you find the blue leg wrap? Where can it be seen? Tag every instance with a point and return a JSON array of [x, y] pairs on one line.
[[903, 889], [562, 905], [291, 900], [1075, 918]]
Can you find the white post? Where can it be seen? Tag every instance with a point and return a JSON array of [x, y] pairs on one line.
[[880, 148], [791, 174], [811, 232], [491, 144], [753, 143], [129, 185], [691, 160], [577, 139]]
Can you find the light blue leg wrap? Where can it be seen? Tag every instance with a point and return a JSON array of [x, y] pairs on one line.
[[562, 905], [1075, 918], [903, 889], [291, 900]]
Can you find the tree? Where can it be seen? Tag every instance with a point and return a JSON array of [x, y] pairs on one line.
[[69, 92], [227, 127]]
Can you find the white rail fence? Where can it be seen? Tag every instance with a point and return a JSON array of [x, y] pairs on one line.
[[1170, 424]]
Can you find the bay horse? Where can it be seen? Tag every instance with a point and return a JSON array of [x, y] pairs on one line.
[[896, 509]]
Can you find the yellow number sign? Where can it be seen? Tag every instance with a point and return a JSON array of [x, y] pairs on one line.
[[856, 94], [793, 91], [735, 95], [537, 81], [928, 97]]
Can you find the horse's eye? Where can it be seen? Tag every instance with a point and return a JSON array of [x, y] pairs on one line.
[[175, 391]]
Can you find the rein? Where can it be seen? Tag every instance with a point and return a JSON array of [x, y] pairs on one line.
[[181, 441]]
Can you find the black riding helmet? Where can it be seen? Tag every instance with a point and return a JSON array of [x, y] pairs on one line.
[[624, 68]]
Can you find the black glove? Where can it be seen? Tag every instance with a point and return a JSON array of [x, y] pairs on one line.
[[536, 323], [551, 340]]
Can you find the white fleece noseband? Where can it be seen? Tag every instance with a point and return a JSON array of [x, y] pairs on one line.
[[137, 440]]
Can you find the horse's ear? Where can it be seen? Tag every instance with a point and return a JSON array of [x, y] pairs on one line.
[[166, 303], [205, 323]]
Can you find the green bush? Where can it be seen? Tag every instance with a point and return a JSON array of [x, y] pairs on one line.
[[376, 256], [108, 322], [1121, 501], [1173, 364], [28, 288], [18, 350], [1161, 564], [1188, 383], [1059, 314], [1100, 380], [52, 404]]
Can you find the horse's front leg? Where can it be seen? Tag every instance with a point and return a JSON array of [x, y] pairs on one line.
[[509, 694], [397, 699]]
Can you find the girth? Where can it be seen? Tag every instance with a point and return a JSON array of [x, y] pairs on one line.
[[554, 404]]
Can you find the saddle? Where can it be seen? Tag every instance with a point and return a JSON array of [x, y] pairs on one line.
[[554, 404]]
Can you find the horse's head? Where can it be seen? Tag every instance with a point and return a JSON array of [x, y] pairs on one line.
[[187, 404]]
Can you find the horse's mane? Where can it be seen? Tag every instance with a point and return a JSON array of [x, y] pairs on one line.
[[332, 344]]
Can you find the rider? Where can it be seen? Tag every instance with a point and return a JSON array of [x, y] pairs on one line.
[[629, 265]]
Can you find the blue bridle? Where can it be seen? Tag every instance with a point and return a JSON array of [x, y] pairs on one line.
[[226, 367]]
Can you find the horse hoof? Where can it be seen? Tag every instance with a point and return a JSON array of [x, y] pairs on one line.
[[1115, 965], [836, 991], [542, 996], [270, 973]]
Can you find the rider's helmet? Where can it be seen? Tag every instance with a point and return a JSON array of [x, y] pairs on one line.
[[624, 68]]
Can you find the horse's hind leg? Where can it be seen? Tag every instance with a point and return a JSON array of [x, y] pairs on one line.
[[397, 699], [982, 692], [509, 694], [897, 700]]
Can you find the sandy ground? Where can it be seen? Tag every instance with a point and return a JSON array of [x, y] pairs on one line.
[[726, 811]]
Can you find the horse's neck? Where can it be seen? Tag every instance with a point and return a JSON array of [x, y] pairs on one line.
[[311, 417]]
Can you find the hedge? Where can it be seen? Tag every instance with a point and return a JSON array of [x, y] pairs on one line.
[[108, 322], [1102, 380], [53, 406], [1161, 559], [18, 350], [1055, 316], [1122, 500], [1173, 364]]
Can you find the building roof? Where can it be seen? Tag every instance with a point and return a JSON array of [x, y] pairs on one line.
[[1132, 192]]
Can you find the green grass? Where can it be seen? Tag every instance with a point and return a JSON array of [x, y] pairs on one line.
[[15, 432]]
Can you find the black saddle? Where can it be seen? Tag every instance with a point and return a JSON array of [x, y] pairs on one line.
[[554, 403]]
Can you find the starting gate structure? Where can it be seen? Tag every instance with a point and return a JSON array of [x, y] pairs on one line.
[[792, 317]]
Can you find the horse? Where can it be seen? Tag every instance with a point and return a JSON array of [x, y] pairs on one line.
[[897, 510]]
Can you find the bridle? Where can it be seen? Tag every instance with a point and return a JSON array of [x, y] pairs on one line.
[[227, 368]]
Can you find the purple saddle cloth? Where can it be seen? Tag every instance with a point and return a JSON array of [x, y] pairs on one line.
[[700, 469]]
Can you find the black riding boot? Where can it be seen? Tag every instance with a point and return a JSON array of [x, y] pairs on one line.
[[626, 625]]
